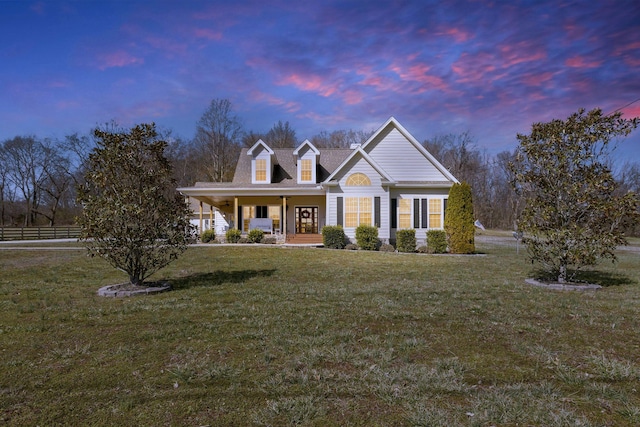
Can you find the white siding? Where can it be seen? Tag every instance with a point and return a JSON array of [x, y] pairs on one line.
[[374, 190], [442, 194], [402, 160]]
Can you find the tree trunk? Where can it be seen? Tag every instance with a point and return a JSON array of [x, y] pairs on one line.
[[562, 276]]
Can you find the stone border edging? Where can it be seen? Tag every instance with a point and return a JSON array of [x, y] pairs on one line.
[[563, 286], [116, 291]]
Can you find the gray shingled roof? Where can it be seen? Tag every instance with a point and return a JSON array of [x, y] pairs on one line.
[[284, 172]]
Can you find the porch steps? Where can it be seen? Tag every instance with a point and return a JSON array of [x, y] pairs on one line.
[[304, 239]]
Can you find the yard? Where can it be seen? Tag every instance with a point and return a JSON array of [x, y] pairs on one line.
[[264, 335]]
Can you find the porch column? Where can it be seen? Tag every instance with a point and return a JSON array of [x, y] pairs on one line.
[[284, 217], [200, 227], [235, 213]]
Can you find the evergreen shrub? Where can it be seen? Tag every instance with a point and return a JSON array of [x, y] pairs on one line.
[[233, 235], [406, 240], [458, 220], [255, 235], [333, 237], [208, 236], [436, 241], [367, 237]]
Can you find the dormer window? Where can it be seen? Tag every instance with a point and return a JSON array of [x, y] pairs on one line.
[[306, 160], [261, 170], [305, 170], [262, 162]]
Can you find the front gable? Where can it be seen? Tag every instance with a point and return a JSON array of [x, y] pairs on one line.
[[403, 157]]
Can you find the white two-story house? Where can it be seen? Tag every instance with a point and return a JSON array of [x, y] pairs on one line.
[[390, 182]]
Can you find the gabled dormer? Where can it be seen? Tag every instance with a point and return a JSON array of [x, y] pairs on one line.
[[307, 157], [262, 162]]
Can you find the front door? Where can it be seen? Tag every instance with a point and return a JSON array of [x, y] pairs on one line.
[[306, 220]]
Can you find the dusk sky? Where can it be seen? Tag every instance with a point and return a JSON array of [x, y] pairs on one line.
[[488, 67]]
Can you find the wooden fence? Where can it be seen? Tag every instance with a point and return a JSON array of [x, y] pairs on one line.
[[39, 233]]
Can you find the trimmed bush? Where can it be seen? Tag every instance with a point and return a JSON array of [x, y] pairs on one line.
[[333, 237], [387, 248], [367, 237], [208, 236], [255, 235], [233, 235], [458, 220], [436, 241], [406, 240]]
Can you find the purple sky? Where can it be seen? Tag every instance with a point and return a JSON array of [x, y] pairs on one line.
[[488, 67]]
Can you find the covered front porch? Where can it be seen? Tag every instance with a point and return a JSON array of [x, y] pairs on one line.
[[283, 215]]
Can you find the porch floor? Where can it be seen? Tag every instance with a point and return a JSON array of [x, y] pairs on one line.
[[304, 239]]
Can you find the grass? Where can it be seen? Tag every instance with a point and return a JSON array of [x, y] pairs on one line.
[[272, 336]]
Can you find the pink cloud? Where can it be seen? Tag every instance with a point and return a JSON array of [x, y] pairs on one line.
[[420, 73], [289, 106], [458, 35], [310, 83], [207, 33], [474, 68], [581, 62], [518, 53], [537, 79], [117, 59]]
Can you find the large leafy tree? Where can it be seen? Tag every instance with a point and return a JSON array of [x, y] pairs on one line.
[[132, 216], [573, 215]]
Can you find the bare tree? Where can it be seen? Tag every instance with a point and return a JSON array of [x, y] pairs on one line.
[[281, 135], [251, 138], [340, 138], [27, 160], [217, 141]]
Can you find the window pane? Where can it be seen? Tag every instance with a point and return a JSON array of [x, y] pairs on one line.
[[365, 211], [404, 209], [261, 169], [351, 212], [305, 172], [435, 213]]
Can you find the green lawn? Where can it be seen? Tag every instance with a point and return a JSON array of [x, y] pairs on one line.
[[263, 335]]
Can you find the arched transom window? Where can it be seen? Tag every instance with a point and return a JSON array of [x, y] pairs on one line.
[[358, 180]]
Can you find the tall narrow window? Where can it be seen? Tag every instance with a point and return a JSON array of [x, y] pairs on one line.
[[435, 213], [357, 211], [261, 170], [305, 170], [404, 212]]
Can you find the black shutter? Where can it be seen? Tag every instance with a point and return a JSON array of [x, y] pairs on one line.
[[425, 213], [339, 220], [239, 224], [376, 211], [394, 213], [444, 211], [416, 213]]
